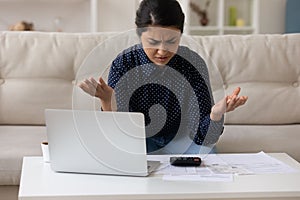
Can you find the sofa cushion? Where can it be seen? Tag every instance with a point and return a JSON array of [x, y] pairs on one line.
[[255, 138], [266, 67], [37, 71], [23, 100], [16, 142]]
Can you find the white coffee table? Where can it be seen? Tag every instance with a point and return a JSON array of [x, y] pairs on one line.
[[39, 182]]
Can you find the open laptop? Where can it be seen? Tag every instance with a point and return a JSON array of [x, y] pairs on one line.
[[97, 142]]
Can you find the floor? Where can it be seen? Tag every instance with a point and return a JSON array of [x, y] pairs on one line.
[[9, 192]]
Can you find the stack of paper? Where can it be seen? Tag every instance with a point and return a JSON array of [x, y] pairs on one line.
[[222, 167]]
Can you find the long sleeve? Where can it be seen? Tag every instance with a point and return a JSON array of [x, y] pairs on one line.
[[203, 130]]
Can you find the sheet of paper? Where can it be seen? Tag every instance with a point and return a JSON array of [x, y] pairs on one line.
[[221, 167], [172, 170], [217, 165], [202, 173], [210, 178], [257, 163]]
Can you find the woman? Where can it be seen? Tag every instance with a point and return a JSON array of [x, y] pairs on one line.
[[166, 82]]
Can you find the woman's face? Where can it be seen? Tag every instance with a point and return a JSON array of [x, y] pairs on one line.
[[160, 43]]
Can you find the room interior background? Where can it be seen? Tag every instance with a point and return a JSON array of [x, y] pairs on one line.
[[113, 15]]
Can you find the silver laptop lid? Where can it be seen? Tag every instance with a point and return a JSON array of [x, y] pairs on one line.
[[97, 142]]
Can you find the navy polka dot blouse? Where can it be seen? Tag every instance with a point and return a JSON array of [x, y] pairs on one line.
[[174, 98]]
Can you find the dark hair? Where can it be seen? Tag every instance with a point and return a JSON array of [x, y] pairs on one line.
[[159, 12]]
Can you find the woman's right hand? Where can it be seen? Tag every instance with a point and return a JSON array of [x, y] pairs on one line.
[[98, 89]]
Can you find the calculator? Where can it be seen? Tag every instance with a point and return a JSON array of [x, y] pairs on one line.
[[185, 161]]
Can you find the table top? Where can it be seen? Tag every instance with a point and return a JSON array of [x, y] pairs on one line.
[[38, 181]]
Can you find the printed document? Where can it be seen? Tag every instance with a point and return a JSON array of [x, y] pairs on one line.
[[222, 167]]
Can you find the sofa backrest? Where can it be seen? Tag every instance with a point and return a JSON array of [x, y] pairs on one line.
[[38, 70], [266, 67]]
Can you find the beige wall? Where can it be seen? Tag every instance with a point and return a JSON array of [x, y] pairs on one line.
[[114, 15], [272, 16], [73, 16]]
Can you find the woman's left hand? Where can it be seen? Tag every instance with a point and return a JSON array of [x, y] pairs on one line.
[[234, 100], [227, 104]]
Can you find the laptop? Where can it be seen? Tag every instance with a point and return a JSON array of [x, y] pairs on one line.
[[98, 142]]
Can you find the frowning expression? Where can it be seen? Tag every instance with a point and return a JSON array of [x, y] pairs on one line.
[[160, 43]]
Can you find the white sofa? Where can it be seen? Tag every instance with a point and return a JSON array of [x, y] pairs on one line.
[[38, 71]]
